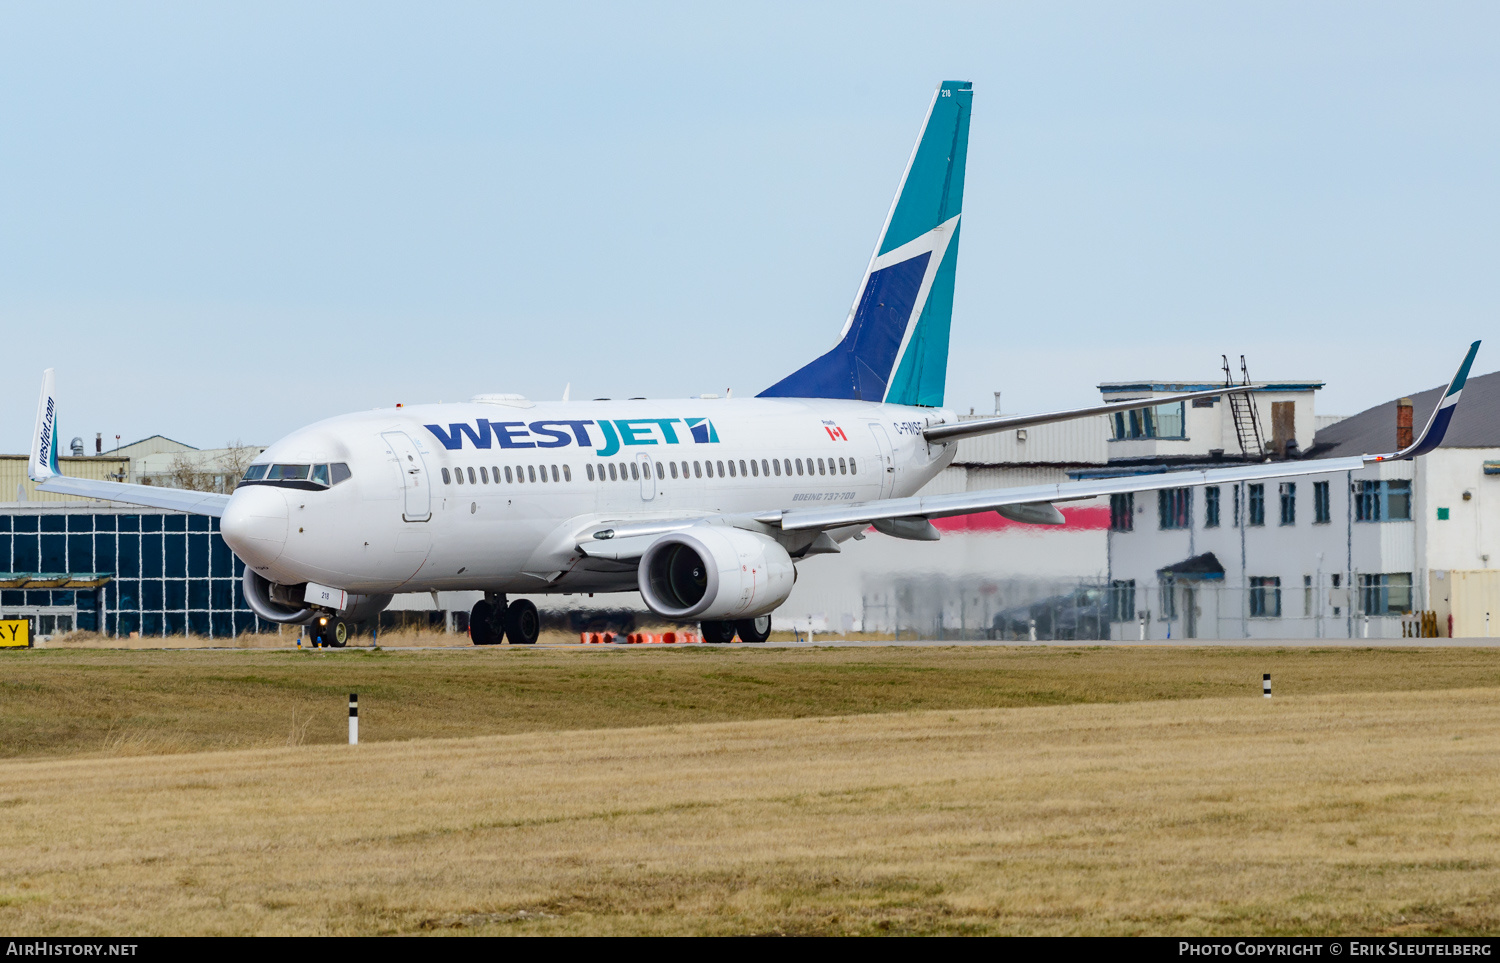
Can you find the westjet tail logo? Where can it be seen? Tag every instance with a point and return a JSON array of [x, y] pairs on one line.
[[611, 435]]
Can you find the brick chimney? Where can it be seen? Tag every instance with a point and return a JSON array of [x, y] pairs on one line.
[[1403, 423]]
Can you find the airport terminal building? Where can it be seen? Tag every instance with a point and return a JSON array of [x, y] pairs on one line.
[[66, 566]]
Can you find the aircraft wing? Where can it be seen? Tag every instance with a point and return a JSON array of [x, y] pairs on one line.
[[149, 496], [968, 503], [42, 469]]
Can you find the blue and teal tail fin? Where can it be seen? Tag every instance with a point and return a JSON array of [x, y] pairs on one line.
[[894, 346]]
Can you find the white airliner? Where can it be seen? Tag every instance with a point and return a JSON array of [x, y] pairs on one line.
[[705, 506]]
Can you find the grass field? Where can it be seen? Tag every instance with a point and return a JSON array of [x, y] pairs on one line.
[[739, 790]]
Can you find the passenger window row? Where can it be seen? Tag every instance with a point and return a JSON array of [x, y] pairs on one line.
[[729, 468], [631, 471], [521, 475]]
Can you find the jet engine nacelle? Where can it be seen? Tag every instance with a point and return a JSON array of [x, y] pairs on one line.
[[274, 602], [710, 572], [285, 603]]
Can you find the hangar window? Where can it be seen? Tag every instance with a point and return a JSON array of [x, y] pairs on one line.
[[1385, 594], [1377, 501], [1265, 597], [1257, 505], [446, 479], [1211, 507], [530, 473], [697, 470], [1174, 507], [567, 473], [1322, 510]]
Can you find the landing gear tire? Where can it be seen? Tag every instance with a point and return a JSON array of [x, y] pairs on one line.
[[522, 625], [484, 628], [330, 632], [754, 630], [717, 632]]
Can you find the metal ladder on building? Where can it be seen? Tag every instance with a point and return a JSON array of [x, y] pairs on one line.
[[1242, 409]]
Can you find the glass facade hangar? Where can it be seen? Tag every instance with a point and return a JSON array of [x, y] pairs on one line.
[[161, 573]]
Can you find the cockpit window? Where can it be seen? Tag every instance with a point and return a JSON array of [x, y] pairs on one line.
[[307, 477]]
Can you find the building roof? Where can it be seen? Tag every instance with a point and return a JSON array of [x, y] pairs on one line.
[[155, 444], [1114, 387], [1476, 424], [1205, 566]]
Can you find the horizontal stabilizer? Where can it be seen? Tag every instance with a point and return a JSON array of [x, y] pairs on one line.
[[987, 426]]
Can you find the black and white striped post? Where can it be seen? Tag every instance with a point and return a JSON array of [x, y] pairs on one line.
[[1265, 683], [354, 715]]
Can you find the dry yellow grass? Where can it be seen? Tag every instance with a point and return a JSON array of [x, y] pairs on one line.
[[64, 702], [1362, 812]]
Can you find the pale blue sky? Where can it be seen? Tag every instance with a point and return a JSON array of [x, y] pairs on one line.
[[224, 221]]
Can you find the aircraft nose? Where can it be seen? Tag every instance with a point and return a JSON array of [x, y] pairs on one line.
[[255, 524]]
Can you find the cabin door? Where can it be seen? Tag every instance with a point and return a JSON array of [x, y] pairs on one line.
[[416, 491], [887, 463]]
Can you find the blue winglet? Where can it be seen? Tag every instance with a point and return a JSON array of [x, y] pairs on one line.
[[1442, 415]]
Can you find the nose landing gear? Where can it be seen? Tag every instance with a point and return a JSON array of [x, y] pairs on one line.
[[329, 632]]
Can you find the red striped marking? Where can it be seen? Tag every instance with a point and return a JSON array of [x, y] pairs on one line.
[[1090, 519]]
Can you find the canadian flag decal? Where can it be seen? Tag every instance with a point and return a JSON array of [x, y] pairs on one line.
[[836, 433]]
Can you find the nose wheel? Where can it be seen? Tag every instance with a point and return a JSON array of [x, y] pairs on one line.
[[330, 632]]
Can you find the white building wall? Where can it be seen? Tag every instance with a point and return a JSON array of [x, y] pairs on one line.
[[1425, 547]]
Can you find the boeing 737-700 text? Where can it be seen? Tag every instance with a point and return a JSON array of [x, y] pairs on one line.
[[705, 506]]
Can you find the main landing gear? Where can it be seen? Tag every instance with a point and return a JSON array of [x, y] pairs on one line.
[[492, 620], [328, 631], [749, 630]]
